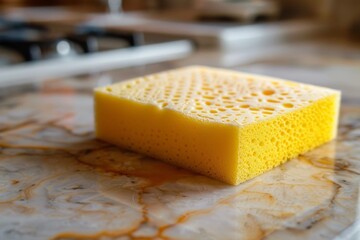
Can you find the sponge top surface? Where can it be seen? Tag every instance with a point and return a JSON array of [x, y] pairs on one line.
[[217, 95]]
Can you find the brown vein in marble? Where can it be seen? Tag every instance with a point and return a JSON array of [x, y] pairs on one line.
[[153, 181], [26, 192], [14, 182], [261, 233], [314, 216], [320, 214], [156, 180], [190, 214], [168, 173], [99, 235], [67, 129], [330, 163], [16, 126], [180, 220], [323, 213], [30, 122], [6, 145]]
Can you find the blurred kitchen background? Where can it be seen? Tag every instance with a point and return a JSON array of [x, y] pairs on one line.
[[60, 50], [314, 41]]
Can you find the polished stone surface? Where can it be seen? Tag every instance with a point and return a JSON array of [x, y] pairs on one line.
[[58, 182]]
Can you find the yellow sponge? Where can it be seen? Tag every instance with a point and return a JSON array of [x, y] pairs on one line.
[[227, 125]]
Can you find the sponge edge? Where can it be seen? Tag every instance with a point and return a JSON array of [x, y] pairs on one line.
[[227, 125], [267, 144], [205, 147]]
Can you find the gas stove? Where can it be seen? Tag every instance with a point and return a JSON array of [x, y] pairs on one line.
[[61, 42], [32, 42], [34, 49]]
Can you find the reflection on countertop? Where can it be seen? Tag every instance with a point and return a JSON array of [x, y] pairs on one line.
[[58, 182]]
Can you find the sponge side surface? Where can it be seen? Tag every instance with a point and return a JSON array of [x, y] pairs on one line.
[[205, 147], [267, 144]]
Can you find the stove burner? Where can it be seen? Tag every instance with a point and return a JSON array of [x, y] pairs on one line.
[[87, 37], [35, 42]]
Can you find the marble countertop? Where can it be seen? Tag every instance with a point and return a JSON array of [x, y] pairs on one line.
[[58, 182]]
